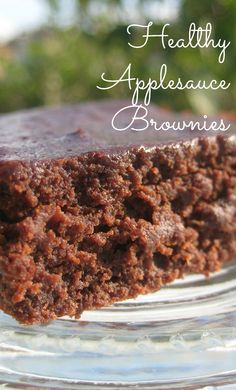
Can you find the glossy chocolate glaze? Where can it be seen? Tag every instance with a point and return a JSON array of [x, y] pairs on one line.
[[48, 133], [90, 216]]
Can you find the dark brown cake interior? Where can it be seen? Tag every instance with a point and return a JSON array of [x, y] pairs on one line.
[[79, 232]]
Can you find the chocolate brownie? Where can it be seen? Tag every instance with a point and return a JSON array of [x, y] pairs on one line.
[[90, 216]]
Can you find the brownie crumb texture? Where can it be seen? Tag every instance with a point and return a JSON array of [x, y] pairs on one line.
[[79, 233]]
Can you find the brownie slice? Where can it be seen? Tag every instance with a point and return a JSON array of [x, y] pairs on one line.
[[90, 216]]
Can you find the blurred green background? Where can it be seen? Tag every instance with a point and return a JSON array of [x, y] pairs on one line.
[[62, 62]]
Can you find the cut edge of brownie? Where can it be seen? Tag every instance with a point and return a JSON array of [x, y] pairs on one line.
[[84, 232]]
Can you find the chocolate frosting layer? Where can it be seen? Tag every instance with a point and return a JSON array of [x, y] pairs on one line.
[[49, 133]]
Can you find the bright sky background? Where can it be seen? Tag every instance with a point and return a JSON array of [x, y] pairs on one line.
[[17, 16], [20, 15]]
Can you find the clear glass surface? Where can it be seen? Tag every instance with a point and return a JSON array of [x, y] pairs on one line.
[[182, 337]]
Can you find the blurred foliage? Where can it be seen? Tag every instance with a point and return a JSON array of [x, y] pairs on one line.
[[63, 64]]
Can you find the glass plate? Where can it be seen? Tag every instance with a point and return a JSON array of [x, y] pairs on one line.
[[183, 337]]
